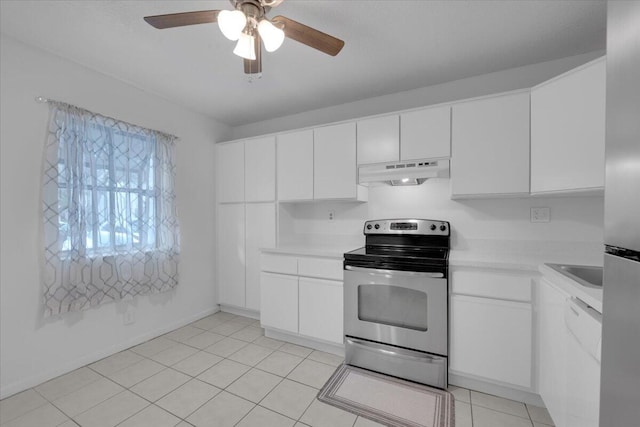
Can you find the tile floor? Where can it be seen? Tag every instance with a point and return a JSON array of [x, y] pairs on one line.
[[219, 371]]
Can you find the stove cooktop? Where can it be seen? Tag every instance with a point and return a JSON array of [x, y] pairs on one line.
[[404, 244]]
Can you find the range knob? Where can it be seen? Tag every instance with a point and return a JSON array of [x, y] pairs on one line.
[[368, 226], [377, 226], [433, 227], [443, 227]]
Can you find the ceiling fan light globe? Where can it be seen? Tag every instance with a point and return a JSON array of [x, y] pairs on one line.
[[245, 48], [272, 36], [231, 23]]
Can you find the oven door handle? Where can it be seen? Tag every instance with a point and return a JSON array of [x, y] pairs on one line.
[[399, 352], [395, 272]]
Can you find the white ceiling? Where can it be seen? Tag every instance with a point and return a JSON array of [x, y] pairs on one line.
[[391, 46]]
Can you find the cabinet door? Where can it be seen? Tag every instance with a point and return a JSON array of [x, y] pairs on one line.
[[334, 160], [231, 254], [379, 140], [490, 146], [491, 339], [552, 343], [568, 130], [261, 233], [230, 172], [279, 301], [295, 166], [260, 170], [321, 309], [425, 134]]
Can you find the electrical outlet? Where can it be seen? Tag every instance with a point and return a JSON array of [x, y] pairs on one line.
[[540, 214], [332, 215], [129, 316]]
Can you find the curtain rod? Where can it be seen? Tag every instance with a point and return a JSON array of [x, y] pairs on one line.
[[43, 100]]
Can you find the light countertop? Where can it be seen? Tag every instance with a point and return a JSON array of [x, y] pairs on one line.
[[589, 296], [523, 256], [315, 251]]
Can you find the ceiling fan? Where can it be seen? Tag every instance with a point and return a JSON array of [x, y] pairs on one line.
[[248, 24]]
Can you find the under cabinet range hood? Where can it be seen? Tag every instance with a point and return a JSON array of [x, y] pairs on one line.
[[403, 173]]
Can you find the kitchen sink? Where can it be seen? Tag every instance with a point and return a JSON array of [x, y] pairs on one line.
[[586, 275]]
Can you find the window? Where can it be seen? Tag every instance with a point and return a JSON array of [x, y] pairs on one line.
[[110, 223], [119, 197]]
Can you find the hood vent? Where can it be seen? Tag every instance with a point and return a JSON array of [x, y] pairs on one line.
[[404, 173]]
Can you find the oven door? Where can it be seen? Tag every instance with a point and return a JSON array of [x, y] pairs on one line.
[[401, 308]]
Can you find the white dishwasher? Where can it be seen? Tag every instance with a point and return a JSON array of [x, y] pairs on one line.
[[584, 340]]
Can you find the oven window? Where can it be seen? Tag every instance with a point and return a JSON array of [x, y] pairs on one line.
[[393, 306]]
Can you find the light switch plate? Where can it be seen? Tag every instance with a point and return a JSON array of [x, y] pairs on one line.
[[540, 214]]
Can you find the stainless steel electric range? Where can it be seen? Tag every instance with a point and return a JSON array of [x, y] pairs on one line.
[[396, 300]]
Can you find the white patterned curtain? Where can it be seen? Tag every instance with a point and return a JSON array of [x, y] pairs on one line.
[[110, 223]]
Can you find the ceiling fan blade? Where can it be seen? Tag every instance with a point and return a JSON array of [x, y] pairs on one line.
[[255, 67], [310, 36], [182, 19]]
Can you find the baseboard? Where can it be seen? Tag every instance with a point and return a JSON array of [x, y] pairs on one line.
[[497, 390], [253, 314], [327, 347], [37, 379]]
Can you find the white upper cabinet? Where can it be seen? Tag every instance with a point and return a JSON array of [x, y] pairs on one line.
[[295, 165], [260, 169], [425, 134], [379, 140], [334, 160], [490, 146], [568, 130], [230, 172]]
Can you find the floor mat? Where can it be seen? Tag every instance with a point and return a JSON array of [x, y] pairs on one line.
[[388, 400]]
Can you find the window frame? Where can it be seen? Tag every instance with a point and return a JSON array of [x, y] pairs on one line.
[[111, 189]]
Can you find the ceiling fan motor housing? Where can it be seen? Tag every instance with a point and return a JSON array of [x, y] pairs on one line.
[[253, 9]]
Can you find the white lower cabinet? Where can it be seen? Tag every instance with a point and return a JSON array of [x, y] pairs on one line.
[[491, 339], [568, 366], [260, 230], [243, 229], [302, 295], [320, 309], [552, 337], [231, 254], [279, 301]]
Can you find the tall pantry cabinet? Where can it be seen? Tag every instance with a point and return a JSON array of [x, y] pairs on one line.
[[245, 176]]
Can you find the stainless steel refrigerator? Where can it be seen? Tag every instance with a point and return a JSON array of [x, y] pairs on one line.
[[620, 377]]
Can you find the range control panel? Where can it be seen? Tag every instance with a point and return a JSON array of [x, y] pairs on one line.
[[425, 227]]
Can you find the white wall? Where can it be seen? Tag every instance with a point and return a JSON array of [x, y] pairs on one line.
[[486, 84], [31, 349], [482, 229]]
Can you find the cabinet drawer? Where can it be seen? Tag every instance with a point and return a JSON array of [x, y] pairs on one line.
[[279, 264], [320, 267], [491, 284]]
